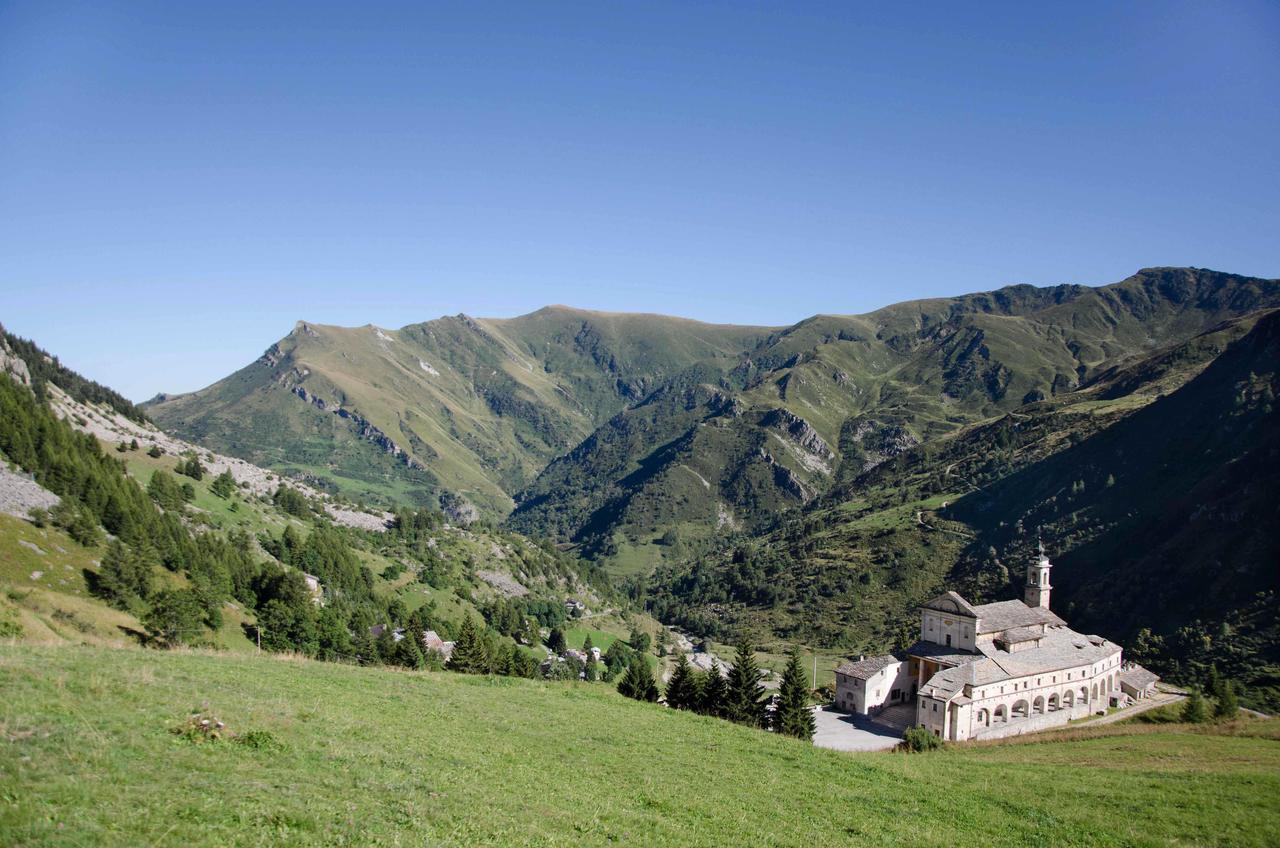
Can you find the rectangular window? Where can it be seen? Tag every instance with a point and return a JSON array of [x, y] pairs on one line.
[[935, 708]]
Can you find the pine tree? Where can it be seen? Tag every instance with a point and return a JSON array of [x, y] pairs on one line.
[[1227, 706], [1194, 711], [744, 701], [1213, 683], [555, 641], [682, 688], [793, 716], [407, 654], [638, 681], [714, 692], [468, 655], [223, 485]]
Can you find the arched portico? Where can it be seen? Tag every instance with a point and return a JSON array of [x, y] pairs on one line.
[[1037, 705], [984, 717], [1001, 714], [1055, 703], [1020, 709]]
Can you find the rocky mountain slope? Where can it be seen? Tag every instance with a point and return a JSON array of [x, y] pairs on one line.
[[624, 433], [470, 407]]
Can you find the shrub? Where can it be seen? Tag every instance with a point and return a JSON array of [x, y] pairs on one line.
[[259, 740], [918, 739], [201, 728]]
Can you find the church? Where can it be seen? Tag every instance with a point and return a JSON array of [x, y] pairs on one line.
[[991, 670]]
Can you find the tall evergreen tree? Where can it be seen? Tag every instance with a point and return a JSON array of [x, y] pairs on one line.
[[682, 688], [1195, 711], [468, 655], [793, 716], [555, 641], [744, 700], [638, 681], [714, 694], [1228, 705]]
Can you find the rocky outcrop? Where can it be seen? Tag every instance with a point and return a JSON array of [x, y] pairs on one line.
[[13, 365], [868, 442], [799, 431], [786, 480], [458, 509], [361, 425]]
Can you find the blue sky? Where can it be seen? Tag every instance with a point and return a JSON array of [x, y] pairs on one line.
[[180, 182]]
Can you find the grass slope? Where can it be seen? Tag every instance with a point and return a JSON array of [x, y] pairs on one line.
[[368, 757]]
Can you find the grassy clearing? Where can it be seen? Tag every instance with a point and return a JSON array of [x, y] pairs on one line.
[[372, 757]]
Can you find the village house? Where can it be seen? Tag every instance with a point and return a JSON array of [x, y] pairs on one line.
[[991, 670]]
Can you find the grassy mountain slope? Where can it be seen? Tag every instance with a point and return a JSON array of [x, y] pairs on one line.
[[346, 755], [1153, 486], [814, 405], [221, 543], [472, 406]]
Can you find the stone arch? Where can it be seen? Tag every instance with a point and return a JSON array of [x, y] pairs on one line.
[[1020, 709], [1095, 691], [984, 717], [1001, 714], [1037, 705], [1068, 699], [1084, 694]]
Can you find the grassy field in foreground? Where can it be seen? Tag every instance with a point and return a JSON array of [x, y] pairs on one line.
[[373, 757]]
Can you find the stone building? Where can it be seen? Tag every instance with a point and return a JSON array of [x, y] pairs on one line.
[[998, 669]]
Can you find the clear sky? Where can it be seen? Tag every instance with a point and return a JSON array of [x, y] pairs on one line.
[[180, 182]]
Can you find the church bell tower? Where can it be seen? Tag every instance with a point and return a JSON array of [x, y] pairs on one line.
[[1037, 594]]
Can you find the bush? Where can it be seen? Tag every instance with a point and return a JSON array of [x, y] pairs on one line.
[[918, 739], [259, 740], [201, 728]]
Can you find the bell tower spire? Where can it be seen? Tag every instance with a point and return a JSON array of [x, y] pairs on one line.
[[1037, 592]]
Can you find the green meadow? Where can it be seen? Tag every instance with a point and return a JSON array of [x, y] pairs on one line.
[[324, 754]]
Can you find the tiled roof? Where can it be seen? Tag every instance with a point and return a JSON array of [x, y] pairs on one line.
[[863, 669], [1059, 648], [1014, 635], [1137, 677], [942, 653], [1006, 615]]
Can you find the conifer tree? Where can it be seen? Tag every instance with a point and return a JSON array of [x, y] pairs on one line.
[[468, 655], [223, 485], [407, 654], [793, 716], [682, 688], [1194, 711], [1227, 706], [744, 700], [638, 681], [1213, 683], [713, 694], [555, 641]]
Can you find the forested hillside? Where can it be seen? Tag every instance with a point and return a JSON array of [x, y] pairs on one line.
[[1154, 486], [137, 543]]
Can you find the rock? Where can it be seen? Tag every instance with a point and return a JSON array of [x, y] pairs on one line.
[[19, 494], [458, 509]]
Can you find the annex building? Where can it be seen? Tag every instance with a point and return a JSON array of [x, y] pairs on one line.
[[997, 669]]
